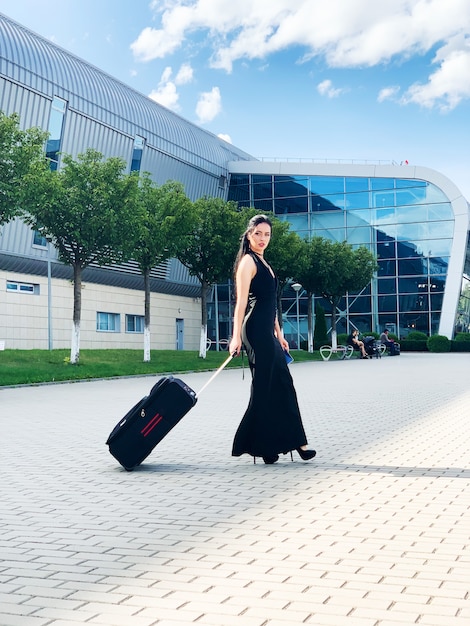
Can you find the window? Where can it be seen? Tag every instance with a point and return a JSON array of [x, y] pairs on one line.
[[139, 143], [14, 286], [134, 323], [56, 123], [38, 240], [108, 322]]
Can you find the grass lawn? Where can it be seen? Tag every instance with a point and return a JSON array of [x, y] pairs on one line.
[[27, 367]]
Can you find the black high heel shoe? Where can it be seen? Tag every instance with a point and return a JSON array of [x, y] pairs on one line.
[[306, 455]]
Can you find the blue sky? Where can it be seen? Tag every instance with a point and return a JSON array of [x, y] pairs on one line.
[[340, 80]]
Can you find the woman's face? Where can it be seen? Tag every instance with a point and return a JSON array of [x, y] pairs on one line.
[[259, 237]]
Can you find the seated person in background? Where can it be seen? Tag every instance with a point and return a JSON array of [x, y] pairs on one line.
[[385, 339], [357, 344]]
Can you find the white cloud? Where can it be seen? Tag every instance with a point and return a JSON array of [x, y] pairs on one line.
[[352, 34], [209, 105], [185, 74], [226, 138], [166, 93], [449, 84], [388, 93], [325, 88]]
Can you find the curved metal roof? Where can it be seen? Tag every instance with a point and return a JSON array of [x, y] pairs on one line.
[[49, 69]]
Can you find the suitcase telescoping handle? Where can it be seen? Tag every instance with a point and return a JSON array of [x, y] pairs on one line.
[[216, 373]]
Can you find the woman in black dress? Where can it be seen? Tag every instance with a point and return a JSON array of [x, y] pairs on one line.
[[272, 423]]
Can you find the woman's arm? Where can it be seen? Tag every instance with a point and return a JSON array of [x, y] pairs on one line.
[[245, 272], [280, 335]]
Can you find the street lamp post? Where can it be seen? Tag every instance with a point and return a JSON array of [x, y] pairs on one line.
[[297, 287]]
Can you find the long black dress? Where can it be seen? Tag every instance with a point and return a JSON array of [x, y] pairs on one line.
[[272, 423]]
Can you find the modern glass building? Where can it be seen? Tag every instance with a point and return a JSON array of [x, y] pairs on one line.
[[413, 219]]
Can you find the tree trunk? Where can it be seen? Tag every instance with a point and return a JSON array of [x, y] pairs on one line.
[[147, 316], [203, 341], [77, 313]]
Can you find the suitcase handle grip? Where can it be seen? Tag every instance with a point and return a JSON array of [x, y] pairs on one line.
[[216, 373]]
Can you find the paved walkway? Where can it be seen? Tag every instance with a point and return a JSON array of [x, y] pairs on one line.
[[373, 532]]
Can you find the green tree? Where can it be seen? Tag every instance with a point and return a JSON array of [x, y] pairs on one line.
[[331, 269], [164, 230], [211, 250], [20, 153], [88, 210]]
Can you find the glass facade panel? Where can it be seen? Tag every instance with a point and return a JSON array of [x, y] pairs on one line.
[[408, 250], [409, 214], [413, 302], [409, 192], [411, 267], [413, 321], [436, 283], [387, 303], [440, 211], [386, 250], [387, 267], [263, 206], [291, 205], [332, 234], [438, 247], [385, 216], [333, 202], [383, 198], [326, 185], [387, 232], [299, 223], [413, 285], [361, 236], [290, 186], [262, 187], [240, 188], [438, 266], [357, 192], [386, 285], [328, 220], [361, 304], [436, 301], [440, 230]]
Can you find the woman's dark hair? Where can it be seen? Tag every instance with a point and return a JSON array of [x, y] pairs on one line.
[[255, 221]]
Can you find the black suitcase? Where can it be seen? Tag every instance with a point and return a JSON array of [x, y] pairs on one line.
[[147, 423], [151, 419]]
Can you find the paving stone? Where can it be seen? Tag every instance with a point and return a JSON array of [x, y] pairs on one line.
[[372, 532]]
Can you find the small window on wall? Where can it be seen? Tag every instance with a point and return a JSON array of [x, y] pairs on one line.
[[14, 286], [55, 128], [134, 323], [139, 144], [108, 322], [38, 240]]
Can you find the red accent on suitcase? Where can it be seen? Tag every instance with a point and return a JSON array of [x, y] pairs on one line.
[[151, 425]]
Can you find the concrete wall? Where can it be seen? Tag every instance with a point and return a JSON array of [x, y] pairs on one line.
[[24, 316]]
